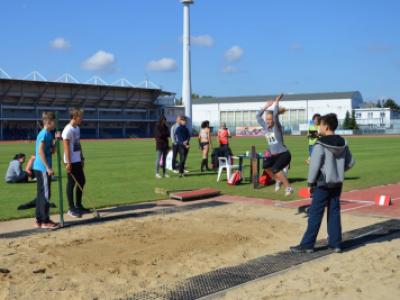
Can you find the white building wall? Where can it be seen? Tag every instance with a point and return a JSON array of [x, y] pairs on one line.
[[338, 106], [374, 117], [203, 112], [211, 112]]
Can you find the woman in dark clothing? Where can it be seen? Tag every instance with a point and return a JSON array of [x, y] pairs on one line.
[[161, 134]]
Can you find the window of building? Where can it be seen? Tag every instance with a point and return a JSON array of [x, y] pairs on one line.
[[370, 114], [358, 115]]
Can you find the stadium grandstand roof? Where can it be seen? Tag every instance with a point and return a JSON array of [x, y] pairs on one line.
[[35, 90], [287, 97]]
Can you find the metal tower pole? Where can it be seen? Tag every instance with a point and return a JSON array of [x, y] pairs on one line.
[[186, 79]]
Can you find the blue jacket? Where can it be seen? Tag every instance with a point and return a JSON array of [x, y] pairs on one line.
[[182, 135]]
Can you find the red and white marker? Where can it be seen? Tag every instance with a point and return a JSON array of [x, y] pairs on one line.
[[383, 200]]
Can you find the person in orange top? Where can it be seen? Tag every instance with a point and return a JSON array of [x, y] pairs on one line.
[[223, 138]]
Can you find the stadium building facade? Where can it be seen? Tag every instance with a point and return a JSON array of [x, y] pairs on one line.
[[240, 112], [110, 111]]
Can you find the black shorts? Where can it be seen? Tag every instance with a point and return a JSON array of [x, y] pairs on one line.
[[203, 144], [277, 162]]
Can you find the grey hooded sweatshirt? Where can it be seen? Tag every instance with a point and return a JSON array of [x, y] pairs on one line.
[[14, 172], [330, 158]]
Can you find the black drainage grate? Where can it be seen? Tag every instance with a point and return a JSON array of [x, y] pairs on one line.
[[222, 279], [161, 211]]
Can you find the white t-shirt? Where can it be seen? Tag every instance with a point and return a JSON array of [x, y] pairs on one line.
[[73, 134]]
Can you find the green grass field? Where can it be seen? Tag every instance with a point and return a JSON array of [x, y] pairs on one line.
[[119, 172]]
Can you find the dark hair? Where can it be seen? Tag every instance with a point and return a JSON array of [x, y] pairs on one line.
[[330, 120], [18, 156], [161, 121], [316, 116], [205, 124]]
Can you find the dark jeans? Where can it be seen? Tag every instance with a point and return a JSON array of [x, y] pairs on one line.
[[330, 198], [224, 150], [77, 171], [174, 155], [161, 153], [43, 196], [183, 152], [22, 178]]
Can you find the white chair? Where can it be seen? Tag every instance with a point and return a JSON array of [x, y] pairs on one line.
[[225, 164]]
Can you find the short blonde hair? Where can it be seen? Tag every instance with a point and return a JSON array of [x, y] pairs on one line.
[[75, 112], [48, 116]]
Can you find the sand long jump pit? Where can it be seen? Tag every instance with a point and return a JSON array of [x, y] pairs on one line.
[[130, 258]]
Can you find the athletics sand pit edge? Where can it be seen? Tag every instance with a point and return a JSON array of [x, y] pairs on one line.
[[120, 258]]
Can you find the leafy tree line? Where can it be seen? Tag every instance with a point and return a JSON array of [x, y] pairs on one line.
[[389, 103], [350, 121]]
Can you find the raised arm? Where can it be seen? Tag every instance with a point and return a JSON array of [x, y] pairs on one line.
[[278, 98], [260, 119]]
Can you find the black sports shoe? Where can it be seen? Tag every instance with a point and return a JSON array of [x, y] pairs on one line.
[[83, 210], [73, 212], [301, 249]]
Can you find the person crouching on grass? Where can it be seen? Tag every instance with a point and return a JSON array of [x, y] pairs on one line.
[[182, 138], [74, 163], [280, 156], [14, 173], [330, 158], [43, 170]]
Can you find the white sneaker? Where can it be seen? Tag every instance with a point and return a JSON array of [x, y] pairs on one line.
[[175, 171], [288, 191], [186, 171], [166, 175], [278, 185], [158, 176]]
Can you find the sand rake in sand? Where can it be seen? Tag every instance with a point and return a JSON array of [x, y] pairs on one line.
[[94, 211]]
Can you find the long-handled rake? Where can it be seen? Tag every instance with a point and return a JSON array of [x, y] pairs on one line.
[[94, 211]]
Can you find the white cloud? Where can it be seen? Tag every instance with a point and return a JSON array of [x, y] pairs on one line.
[[230, 69], [162, 65], [234, 54], [296, 47], [59, 43], [101, 60], [203, 40]]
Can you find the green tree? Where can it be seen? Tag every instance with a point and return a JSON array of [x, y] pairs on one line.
[[347, 121], [353, 121], [390, 103], [195, 96], [379, 104]]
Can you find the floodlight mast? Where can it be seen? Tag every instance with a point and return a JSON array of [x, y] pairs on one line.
[[186, 75]]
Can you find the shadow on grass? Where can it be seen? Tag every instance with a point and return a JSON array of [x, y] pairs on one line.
[[352, 178], [297, 179], [193, 174]]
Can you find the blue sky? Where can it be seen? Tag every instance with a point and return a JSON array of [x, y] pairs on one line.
[[239, 47]]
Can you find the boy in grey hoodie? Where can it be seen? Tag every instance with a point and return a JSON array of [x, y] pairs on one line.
[[330, 158]]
